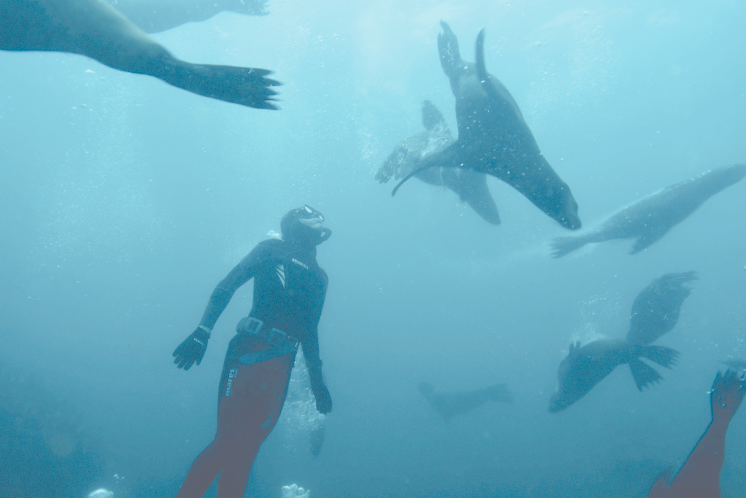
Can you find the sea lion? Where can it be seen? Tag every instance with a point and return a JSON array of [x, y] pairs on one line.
[[656, 308], [469, 185], [586, 366], [450, 404], [699, 477], [493, 137], [154, 16], [650, 218], [97, 30]]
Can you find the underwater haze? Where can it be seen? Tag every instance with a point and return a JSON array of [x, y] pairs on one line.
[[126, 200]]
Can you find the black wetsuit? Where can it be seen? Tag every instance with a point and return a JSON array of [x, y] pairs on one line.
[[289, 293]]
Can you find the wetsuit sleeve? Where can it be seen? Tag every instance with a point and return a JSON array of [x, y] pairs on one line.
[[311, 341], [242, 273]]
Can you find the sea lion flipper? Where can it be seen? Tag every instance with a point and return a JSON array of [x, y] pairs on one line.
[[484, 77], [403, 159], [565, 245], [450, 57], [643, 374], [646, 239], [472, 188], [432, 118], [239, 85], [663, 356]]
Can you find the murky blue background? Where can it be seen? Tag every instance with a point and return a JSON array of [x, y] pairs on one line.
[[124, 201]]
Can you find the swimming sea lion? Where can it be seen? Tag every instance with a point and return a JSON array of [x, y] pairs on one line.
[[586, 366], [97, 30], [493, 137], [154, 16], [469, 185], [450, 404], [656, 308], [650, 218], [699, 477]]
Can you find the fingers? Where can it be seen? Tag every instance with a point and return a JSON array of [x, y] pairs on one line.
[[183, 362]]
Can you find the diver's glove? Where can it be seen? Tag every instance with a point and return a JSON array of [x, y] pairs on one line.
[[192, 349], [320, 392], [323, 398]]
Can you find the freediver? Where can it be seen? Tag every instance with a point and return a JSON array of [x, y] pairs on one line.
[[289, 293]]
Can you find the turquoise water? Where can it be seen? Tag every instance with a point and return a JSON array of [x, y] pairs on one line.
[[125, 201]]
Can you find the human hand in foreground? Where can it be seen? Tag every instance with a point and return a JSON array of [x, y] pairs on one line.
[[192, 349]]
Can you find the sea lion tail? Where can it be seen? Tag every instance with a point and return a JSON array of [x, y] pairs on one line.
[[450, 56], [566, 245], [484, 77], [643, 374]]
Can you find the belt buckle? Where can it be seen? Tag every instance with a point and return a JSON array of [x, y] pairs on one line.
[[253, 326], [276, 337]]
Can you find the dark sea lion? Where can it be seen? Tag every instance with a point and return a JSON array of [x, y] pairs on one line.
[[450, 404], [699, 477], [469, 185], [656, 308], [95, 29], [153, 16], [650, 218], [493, 137], [586, 366]]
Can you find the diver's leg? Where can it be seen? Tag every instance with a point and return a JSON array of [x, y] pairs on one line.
[[257, 394], [203, 471], [214, 458]]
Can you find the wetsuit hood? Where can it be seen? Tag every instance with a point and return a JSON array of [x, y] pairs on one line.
[[296, 232]]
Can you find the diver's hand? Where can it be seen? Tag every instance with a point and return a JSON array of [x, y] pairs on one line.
[[323, 398], [192, 349]]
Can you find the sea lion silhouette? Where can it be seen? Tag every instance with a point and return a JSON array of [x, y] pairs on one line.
[[586, 366], [469, 185], [650, 218], [656, 308], [97, 30], [493, 137], [449, 405]]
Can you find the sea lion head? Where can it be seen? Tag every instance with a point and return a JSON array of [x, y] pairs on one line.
[[304, 226], [557, 201], [565, 395]]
